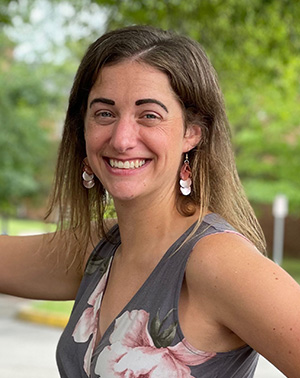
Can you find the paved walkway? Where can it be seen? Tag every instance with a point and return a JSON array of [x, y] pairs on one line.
[[27, 350]]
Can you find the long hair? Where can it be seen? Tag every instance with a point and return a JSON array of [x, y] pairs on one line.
[[216, 185]]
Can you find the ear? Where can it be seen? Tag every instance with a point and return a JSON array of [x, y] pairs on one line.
[[191, 137], [86, 166]]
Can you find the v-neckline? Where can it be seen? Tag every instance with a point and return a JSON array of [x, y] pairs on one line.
[[168, 252]]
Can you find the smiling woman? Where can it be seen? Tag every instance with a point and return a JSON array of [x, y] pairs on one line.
[[140, 124], [180, 286]]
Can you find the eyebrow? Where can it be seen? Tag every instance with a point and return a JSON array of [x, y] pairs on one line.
[[151, 101], [137, 103], [103, 100]]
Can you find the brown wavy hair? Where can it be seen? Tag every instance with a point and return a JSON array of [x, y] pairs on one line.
[[216, 185]]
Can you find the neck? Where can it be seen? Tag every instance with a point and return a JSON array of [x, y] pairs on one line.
[[150, 228]]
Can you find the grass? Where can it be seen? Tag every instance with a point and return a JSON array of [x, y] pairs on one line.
[[54, 314], [24, 226], [54, 307]]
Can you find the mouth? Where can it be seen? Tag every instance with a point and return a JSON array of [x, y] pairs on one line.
[[126, 164]]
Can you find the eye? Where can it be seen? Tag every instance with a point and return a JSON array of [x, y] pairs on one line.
[[150, 119], [103, 114], [104, 117], [151, 116]]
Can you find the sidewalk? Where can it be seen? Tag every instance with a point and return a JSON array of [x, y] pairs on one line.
[[27, 350]]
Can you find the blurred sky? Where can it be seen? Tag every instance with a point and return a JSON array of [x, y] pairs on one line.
[[47, 28]]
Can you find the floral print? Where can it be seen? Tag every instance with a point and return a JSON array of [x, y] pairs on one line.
[[143, 342], [88, 322], [132, 352]]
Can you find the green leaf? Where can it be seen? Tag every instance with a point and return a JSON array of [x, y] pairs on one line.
[[155, 326], [98, 264], [168, 335], [164, 338]]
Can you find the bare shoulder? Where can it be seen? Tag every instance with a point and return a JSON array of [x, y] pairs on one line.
[[222, 255], [249, 294], [227, 264]]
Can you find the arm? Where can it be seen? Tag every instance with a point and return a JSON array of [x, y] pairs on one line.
[[28, 268], [250, 295]]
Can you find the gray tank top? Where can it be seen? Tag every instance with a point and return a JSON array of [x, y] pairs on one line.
[[145, 339]]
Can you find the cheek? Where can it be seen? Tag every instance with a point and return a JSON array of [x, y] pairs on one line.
[[164, 136], [90, 145], [95, 138]]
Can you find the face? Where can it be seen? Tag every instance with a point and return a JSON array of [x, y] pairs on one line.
[[134, 132]]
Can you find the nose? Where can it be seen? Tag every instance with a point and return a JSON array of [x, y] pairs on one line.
[[124, 135]]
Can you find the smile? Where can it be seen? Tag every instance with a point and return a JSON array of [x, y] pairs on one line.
[[127, 164]]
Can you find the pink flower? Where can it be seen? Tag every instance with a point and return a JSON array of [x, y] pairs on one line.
[[88, 323], [132, 352]]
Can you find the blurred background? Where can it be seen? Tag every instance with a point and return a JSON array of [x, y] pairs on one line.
[[254, 46]]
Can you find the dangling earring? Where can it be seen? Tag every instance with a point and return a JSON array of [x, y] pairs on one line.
[[186, 177], [87, 175]]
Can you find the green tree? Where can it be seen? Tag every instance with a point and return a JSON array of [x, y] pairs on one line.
[[4, 15], [255, 48], [26, 149], [33, 96]]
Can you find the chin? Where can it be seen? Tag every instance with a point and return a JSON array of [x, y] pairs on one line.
[[121, 195], [124, 191]]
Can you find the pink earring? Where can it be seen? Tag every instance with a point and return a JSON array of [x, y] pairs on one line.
[[87, 175], [186, 177]]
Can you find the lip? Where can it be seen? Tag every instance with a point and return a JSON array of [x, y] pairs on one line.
[[129, 170]]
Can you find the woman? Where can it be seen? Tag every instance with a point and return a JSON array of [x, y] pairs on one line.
[[178, 287]]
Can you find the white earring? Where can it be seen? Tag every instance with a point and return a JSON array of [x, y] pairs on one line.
[[87, 175], [186, 177]]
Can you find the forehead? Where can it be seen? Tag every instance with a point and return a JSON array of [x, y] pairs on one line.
[[132, 77]]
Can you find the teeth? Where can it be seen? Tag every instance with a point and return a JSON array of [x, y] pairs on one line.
[[126, 164]]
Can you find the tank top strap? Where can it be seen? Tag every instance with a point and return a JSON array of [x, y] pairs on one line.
[[182, 248]]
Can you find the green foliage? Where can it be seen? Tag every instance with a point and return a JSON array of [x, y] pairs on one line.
[[255, 49], [33, 97], [4, 15], [25, 147]]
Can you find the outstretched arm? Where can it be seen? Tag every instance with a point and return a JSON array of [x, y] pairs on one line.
[[36, 267]]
